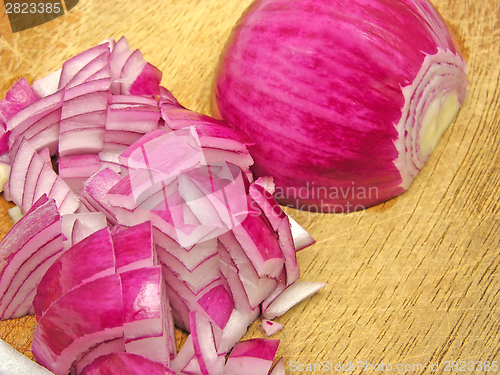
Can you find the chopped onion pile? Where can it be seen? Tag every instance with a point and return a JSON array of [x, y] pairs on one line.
[[345, 100], [152, 219]]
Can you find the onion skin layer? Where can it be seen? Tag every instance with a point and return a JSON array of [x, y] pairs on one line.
[[322, 86]]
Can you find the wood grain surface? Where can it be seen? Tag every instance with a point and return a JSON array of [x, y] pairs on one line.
[[412, 281]]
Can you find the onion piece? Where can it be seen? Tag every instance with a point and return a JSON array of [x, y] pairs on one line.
[[184, 300], [108, 347], [197, 278], [147, 320], [189, 257], [207, 196], [85, 103], [94, 192], [235, 328], [104, 72], [14, 363], [93, 221], [74, 65], [117, 141], [77, 322], [291, 296], [44, 133], [130, 100], [255, 288], [270, 327], [4, 175], [47, 85], [125, 364], [30, 116], [80, 231], [205, 351], [301, 238], [139, 120], [279, 368], [182, 360], [265, 254], [15, 214], [139, 77], [31, 177], [134, 248], [20, 96], [76, 169], [89, 120], [147, 83], [186, 362], [218, 304], [88, 73], [26, 252], [251, 357], [117, 59], [279, 221], [89, 259]]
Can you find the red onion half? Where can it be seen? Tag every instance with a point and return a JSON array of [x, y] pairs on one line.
[[345, 100]]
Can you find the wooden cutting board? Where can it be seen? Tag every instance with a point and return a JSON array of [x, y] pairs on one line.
[[412, 281]]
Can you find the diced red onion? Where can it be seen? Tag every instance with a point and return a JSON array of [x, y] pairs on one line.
[[47, 85], [26, 252], [256, 288], [236, 327], [205, 351], [94, 69], [31, 115], [15, 214], [75, 169], [265, 253], [125, 364], [279, 368], [119, 55], [4, 175], [301, 238], [139, 77], [224, 245], [95, 189], [20, 96], [139, 120], [89, 259], [147, 320], [74, 96], [134, 248], [134, 100], [74, 65], [291, 296], [251, 357], [108, 347], [78, 226], [184, 357], [218, 304], [42, 134], [77, 322], [31, 177], [270, 327]]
